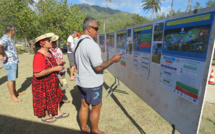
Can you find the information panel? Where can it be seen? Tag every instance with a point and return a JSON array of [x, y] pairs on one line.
[[184, 55], [121, 46], [102, 42], [110, 39], [142, 50]]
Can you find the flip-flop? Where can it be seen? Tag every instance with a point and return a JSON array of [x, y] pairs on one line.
[[63, 115], [21, 93], [46, 120], [65, 101], [16, 100]]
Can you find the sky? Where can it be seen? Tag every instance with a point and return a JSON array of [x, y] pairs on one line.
[[135, 6]]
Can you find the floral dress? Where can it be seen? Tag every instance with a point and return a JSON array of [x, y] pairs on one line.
[[46, 91]]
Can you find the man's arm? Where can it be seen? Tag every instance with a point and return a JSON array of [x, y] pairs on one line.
[[68, 45], [107, 63], [2, 53]]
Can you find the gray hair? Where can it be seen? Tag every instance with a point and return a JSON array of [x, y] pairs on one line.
[[8, 28], [74, 31], [87, 22]]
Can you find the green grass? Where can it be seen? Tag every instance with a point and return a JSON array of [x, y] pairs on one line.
[[121, 113]]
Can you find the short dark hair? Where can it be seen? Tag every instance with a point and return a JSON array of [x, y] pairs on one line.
[[87, 22], [8, 28]]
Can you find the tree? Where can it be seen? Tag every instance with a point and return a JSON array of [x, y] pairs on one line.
[[210, 3], [153, 5]]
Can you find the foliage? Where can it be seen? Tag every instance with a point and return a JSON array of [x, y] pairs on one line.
[[33, 19], [153, 5], [115, 19], [210, 3]]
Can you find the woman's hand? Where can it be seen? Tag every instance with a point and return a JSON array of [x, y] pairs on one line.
[[58, 68]]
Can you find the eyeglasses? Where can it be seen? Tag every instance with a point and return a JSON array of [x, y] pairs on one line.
[[95, 28]]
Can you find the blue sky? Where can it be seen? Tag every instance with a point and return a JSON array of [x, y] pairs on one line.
[[135, 6]]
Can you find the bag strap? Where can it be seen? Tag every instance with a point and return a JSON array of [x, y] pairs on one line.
[[79, 43]]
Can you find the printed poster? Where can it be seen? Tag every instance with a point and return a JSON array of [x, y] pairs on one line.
[[110, 45], [102, 42], [121, 47], [142, 50], [184, 55], [158, 42]]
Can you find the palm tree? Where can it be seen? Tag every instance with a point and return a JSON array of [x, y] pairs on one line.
[[171, 8], [105, 14], [153, 5], [188, 7]]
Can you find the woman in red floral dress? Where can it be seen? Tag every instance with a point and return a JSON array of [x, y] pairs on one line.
[[47, 94]]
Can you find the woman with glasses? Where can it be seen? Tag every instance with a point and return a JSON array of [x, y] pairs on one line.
[[45, 84]]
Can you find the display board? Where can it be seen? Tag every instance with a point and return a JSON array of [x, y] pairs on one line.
[[168, 65], [110, 49], [102, 43]]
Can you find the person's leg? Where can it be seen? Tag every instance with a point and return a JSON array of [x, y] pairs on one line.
[[83, 116], [12, 90], [61, 114], [94, 118], [72, 77], [48, 118]]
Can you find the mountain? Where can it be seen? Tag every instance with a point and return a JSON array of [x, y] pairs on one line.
[[115, 19]]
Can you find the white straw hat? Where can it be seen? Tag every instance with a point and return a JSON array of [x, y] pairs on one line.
[[44, 36], [54, 38]]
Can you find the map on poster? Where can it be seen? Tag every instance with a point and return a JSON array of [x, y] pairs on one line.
[[121, 47], [184, 55], [142, 50], [102, 42], [158, 42], [110, 45]]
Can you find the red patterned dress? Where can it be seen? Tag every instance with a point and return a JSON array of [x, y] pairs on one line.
[[46, 91]]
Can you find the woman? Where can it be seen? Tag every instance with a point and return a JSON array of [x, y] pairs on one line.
[[45, 84], [58, 55]]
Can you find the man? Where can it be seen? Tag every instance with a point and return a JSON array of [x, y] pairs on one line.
[[90, 75], [10, 61], [70, 44]]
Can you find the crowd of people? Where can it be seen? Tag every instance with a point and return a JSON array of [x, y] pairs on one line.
[[49, 80]]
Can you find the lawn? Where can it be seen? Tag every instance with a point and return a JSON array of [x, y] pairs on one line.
[[121, 113]]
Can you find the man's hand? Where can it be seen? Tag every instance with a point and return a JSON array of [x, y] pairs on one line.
[[116, 58], [3, 58]]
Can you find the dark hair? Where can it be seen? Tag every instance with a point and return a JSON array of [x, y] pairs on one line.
[[8, 28], [87, 22], [37, 46]]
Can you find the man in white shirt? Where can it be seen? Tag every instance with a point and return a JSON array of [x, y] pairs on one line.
[[70, 45]]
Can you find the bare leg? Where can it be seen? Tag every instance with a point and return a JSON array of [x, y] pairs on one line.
[[94, 118], [72, 77], [11, 86], [83, 116], [47, 116]]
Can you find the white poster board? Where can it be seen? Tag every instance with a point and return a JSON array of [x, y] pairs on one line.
[[175, 81]]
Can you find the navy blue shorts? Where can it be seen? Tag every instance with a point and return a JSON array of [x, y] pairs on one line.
[[92, 96]]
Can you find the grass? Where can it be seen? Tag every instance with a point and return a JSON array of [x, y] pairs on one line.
[[121, 113]]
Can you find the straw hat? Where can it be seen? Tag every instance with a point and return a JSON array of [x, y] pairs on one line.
[[54, 38], [44, 36]]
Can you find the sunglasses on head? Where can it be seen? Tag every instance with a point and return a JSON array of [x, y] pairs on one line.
[[95, 28]]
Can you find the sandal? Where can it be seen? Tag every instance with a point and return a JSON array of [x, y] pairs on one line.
[[63, 115], [47, 120]]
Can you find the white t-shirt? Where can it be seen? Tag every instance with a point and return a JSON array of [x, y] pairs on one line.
[[88, 56], [70, 40]]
